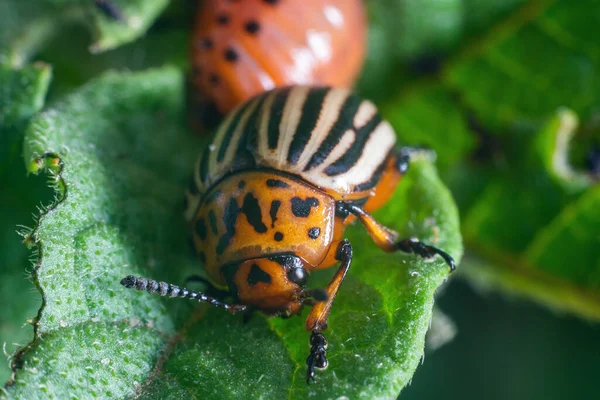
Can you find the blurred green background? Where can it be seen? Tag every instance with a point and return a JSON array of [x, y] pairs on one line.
[[506, 92]]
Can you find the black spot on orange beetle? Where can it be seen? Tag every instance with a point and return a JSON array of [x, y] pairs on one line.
[[252, 27], [212, 218], [278, 236], [208, 43], [214, 79], [241, 184], [231, 55], [252, 211], [257, 275], [275, 204], [314, 233], [230, 215], [223, 19], [201, 228], [277, 183], [301, 208]]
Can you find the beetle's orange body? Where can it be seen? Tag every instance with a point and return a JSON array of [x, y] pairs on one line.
[[272, 194], [258, 213], [240, 49]]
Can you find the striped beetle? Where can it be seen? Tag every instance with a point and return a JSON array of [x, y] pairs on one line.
[[271, 196]]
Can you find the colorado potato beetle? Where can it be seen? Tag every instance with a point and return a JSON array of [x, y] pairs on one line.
[[271, 196], [243, 48]]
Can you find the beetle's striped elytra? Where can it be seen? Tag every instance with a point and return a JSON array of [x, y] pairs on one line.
[[270, 198]]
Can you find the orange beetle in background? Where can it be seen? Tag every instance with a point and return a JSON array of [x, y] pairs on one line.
[[243, 48]]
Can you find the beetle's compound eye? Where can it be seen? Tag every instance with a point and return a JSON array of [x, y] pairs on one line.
[[298, 276], [294, 267]]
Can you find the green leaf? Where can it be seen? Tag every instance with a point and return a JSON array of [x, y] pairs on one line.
[[428, 116], [120, 160], [137, 15], [543, 57], [22, 94], [26, 27]]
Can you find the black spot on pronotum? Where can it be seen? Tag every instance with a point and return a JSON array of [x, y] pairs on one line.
[[278, 236], [301, 208], [230, 55], [271, 2], [277, 183], [252, 27], [314, 232], [241, 184], [223, 19], [208, 43], [212, 218], [201, 228], [253, 213], [275, 204], [257, 275], [230, 214]]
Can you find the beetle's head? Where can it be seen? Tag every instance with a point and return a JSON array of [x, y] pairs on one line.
[[274, 285]]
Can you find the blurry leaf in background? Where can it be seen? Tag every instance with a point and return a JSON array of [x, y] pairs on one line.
[[22, 92], [496, 114], [428, 116], [27, 26], [123, 21], [120, 214]]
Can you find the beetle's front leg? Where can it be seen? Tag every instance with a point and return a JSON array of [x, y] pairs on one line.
[[318, 355], [317, 319], [386, 239]]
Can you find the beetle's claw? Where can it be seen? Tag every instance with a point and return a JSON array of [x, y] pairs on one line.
[[318, 355]]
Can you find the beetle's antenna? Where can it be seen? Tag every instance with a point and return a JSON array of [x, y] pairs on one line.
[[167, 289]]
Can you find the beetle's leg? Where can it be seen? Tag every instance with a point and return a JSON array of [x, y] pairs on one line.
[[317, 319], [387, 239], [167, 289]]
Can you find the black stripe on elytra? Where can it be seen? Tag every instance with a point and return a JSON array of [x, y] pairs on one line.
[[344, 122], [276, 115], [212, 219], [253, 213], [230, 129], [275, 204], [352, 155], [201, 228], [312, 108], [301, 208], [230, 215], [277, 183], [374, 179], [203, 172], [257, 275], [248, 140]]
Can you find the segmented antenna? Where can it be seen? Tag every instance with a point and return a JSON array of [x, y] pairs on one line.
[[167, 289]]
